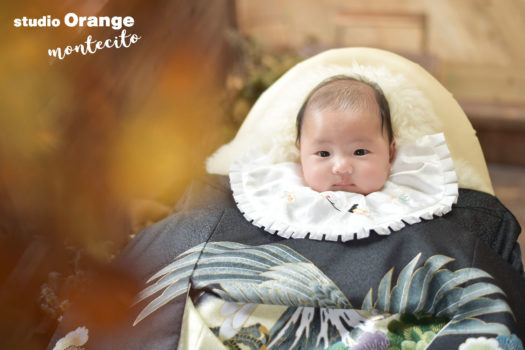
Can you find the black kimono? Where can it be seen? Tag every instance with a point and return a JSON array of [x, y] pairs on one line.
[[434, 284]]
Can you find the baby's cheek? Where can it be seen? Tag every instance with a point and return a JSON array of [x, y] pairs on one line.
[[317, 178], [375, 176], [309, 174]]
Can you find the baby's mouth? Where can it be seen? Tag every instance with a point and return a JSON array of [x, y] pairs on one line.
[[344, 184]]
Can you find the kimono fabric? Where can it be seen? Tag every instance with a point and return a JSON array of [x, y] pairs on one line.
[[212, 279]]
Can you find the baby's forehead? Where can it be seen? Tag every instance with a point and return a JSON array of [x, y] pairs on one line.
[[344, 94]]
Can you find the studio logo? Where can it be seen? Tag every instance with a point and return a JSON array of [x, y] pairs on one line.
[[90, 45]]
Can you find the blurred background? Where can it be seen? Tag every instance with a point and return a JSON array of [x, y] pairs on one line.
[[94, 148]]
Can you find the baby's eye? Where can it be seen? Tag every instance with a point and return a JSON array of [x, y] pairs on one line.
[[323, 154], [360, 152]]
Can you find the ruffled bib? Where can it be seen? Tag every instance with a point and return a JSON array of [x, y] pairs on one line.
[[422, 183]]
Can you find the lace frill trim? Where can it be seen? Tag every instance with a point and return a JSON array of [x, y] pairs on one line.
[[273, 225]]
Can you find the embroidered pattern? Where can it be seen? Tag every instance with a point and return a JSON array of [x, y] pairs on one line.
[[353, 210], [358, 211], [332, 203], [290, 196], [317, 314]]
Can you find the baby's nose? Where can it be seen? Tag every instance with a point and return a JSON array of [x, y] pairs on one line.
[[343, 165]]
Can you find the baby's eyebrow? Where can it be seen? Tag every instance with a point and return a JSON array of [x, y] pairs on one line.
[[321, 140], [362, 140]]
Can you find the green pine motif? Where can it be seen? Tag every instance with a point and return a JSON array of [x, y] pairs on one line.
[[411, 331]]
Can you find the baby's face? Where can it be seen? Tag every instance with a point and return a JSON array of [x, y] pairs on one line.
[[345, 151]]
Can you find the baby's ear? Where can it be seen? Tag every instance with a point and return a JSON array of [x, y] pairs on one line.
[[392, 150], [298, 144]]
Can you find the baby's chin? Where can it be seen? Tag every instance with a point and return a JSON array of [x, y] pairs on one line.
[[350, 190], [347, 188]]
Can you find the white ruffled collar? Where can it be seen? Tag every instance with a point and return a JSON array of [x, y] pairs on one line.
[[422, 183]]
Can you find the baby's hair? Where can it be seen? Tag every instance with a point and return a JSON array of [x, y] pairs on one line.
[[342, 93]]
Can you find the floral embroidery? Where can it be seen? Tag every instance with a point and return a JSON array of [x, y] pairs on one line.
[[290, 196], [74, 340], [359, 211]]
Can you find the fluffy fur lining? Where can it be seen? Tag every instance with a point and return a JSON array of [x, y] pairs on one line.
[[412, 115], [270, 125]]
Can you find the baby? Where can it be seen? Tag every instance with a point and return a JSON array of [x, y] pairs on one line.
[[345, 137], [348, 183]]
